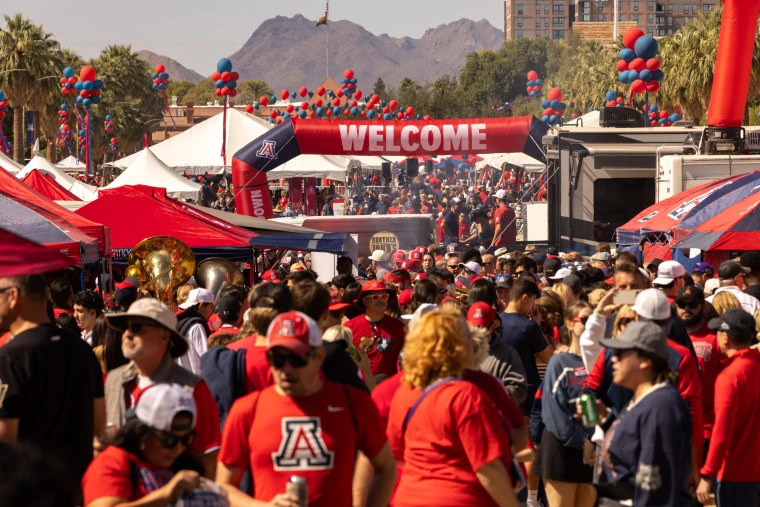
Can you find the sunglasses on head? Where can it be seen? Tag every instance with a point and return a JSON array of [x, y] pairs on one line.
[[377, 297], [688, 304], [136, 327], [170, 440], [278, 359], [582, 320]]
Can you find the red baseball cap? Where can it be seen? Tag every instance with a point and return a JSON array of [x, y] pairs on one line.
[[405, 298], [271, 276], [416, 256], [294, 331], [399, 256], [422, 249], [410, 266], [480, 314], [419, 276], [396, 279], [336, 304], [370, 286]]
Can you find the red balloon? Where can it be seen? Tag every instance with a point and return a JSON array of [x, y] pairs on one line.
[[157, 80], [619, 100], [336, 102], [532, 75], [72, 80], [574, 116], [426, 117], [621, 65], [317, 103], [664, 114], [218, 92], [94, 93], [410, 111], [84, 94], [548, 111], [88, 73], [559, 112], [226, 76], [348, 74], [66, 128], [64, 80], [358, 94], [279, 120], [216, 76], [653, 86], [233, 92], [284, 94], [631, 36], [321, 91], [653, 123], [329, 112], [290, 108], [638, 86], [312, 114], [304, 105], [637, 64], [113, 139], [386, 110], [346, 112], [225, 91], [554, 94], [393, 105], [399, 115], [354, 103], [234, 76], [339, 93], [303, 91], [264, 100], [249, 109], [375, 98], [160, 69], [653, 64], [273, 113]]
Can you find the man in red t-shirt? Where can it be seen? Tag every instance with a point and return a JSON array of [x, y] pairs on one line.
[[380, 335], [505, 223], [304, 426]]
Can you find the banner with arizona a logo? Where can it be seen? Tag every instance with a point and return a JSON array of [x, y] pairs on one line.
[[311, 197]]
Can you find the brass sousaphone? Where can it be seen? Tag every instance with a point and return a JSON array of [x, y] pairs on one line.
[[165, 262], [214, 274]]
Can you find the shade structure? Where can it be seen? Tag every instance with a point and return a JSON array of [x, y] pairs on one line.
[[136, 212], [76, 187], [14, 187], [665, 217], [519, 159], [47, 186], [736, 228], [72, 164], [19, 256], [148, 169], [40, 226], [9, 164], [312, 166]]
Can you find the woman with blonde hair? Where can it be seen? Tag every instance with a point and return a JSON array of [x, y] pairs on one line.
[[454, 447], [565, 295], [723, 301]]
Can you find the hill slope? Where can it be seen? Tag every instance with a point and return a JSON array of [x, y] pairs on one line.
[[176, 71]]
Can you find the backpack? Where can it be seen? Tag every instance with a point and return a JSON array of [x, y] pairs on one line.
[[223, 370]]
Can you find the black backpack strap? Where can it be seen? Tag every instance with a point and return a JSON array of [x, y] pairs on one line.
[[430, 388]]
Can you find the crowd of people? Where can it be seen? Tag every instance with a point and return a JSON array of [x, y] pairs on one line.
[[437, 376]]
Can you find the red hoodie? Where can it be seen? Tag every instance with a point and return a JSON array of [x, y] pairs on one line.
[[735, 443]]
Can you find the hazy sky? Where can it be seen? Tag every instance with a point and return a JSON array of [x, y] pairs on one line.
[[198, 33]]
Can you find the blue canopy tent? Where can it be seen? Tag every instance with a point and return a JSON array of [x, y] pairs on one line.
[[329, 242]]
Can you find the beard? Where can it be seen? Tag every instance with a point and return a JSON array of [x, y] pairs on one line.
[[694, 321]]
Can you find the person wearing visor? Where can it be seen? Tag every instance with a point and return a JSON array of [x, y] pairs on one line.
[[336, 420]]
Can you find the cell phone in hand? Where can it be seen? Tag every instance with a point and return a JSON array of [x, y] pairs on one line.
[[625, 297]]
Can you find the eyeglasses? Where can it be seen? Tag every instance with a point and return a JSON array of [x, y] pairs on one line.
[[684, 304], [453, 267], [278, 359], [378, 297], [136, 327], [582, 320], [170, 440]]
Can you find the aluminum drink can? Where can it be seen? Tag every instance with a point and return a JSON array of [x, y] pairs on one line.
[[297, 486], [589, 412]]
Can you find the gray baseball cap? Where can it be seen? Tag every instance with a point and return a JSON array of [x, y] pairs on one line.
[[644, 336]]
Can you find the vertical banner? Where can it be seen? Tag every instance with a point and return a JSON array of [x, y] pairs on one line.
[[30, 119], [296, 193], [311, 197]]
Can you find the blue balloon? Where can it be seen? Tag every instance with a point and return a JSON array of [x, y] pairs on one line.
[[94, 100], [224, 65], [363, 106], [336, 110], [164, 86], [530, 83], [538, 93], [632, 76], [562, 106], [646, 47], [82, 133], [108, 117], [627, 54], [354, 81], [256, 106], [384, 103], [401, 109], [371, 114], [386, 116], [164, 75], [545, 104], [532, 94], [87, 85], [611, 95], [79, 100], [155, 86], [658, 75], [662, 121], [539, 82], [219, 83], [78, 86], [345, 80], [273, 99], [293, 94], [64, 107], [554, 104], [354, 111], [419, 116], [87, 102], [675, 117], [154, 76], [311, 94], [545, 119], [231, 84], [618, 105], [320, 112], [553, 118], [302, 114], [653, 108], [68, 72], [645, 75]]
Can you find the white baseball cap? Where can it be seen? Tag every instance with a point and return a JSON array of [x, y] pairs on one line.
[[197, 296], [652, 304], [159, 405], [561, 274], [156, 311], [669, 271], [500, 194], [471, 266], [379, 256]]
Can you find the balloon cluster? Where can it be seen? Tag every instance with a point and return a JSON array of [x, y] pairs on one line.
[[613, 100], [3, 105], [554, 108], [638, 65], [63, 114], [88, 87], [114, 144], [225, 80], [68, 81], [108, 124], [534, 84], [160, 78], [662, 118], [82, 138]]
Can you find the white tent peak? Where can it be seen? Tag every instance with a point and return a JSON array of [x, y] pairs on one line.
[[76, 187], [148, 169], [9, 164], [71, 163]]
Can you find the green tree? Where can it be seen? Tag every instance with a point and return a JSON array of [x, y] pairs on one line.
[[252, 90], [179, 89], [380, 89], [28, 56], [446, 99]]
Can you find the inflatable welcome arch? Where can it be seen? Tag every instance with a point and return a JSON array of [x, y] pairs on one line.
[[401, 138]]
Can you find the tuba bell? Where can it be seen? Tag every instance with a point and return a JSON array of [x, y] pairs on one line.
[[214, 274], [166, 262]]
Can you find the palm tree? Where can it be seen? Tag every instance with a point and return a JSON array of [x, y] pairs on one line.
[[27, 54], [252, 89]]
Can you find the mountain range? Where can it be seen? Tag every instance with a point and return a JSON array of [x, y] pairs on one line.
[[290, 52], [176, 71]]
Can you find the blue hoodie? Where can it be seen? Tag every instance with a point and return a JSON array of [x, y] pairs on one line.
[[563, 382]]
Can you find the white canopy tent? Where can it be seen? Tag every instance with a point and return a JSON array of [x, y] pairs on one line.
[[76, 187], [148, 169], [518, 159], [312, 166], [71, 164], [9, 164]]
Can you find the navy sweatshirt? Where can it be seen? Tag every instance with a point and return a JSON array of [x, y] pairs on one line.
[[563, 382]]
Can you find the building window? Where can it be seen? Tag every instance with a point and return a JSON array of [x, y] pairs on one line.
[[519, 34], [546, 10], [558, 22], [558, 9], [660, 20], [635, 6], [660, 8], [670, 8], [600, 6], [538, 9], [538, 22], [621, 6], [685, 8], [650, 5], [587, 17], [661, 32], [693, 8], [650, 30], [634, 17], [708, 7], [670, 31], [519, 9], [600, 17], [558, 34], [519, 22], [650, 19], [620, 17]]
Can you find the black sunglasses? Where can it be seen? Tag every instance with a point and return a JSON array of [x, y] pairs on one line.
[[170, 440], [692, 305], [136, 327], [278, 360], [582, 320], [443, 291]]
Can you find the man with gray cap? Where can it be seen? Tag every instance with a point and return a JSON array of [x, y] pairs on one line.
[[151, 344], [732, 276]]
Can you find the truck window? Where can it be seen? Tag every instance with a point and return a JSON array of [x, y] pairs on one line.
[[617, 200]]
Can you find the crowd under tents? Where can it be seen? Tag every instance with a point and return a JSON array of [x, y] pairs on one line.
[[147, 168], [19, 256], [73, 185], [72, 164], [47, 186]]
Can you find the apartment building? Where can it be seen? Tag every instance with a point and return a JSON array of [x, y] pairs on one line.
[[538, 18]]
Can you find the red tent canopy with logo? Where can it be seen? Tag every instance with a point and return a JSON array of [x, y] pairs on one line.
[[19, 256], [47, 186]]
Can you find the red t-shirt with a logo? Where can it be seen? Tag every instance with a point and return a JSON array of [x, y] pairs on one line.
[[709, 357], [387, 338], [505, 216], [315, 437]]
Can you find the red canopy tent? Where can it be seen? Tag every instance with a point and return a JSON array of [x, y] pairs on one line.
[[19, 256], [15, 188], [47, 186], [134, 213]]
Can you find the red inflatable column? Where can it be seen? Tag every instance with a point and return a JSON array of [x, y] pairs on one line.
[[734, 63], [251, 188]]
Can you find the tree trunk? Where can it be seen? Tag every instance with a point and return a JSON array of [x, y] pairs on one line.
[[745, 118], [18, 134], [51, 151]]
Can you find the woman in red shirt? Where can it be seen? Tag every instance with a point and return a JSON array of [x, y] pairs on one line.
[[149, 460], [453, 445]]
